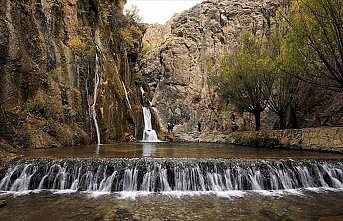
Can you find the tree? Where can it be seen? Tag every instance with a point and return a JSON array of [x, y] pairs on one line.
[[286, 85], [285, 92], [245, 77], [316, 40], [133, 13]]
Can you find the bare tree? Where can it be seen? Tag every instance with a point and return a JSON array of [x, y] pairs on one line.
[[317, 40]]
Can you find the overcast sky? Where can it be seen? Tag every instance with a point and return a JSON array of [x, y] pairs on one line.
[[159, 11]]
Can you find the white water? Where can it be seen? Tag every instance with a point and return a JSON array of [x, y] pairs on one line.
[[149, 134], [142, 91], [137, 177], [126, 95], [96, 85]]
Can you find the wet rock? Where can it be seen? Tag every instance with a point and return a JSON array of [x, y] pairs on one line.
[[48, 67], [3, 203]]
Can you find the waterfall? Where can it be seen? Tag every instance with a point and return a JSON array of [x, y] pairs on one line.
[[149, 134], [142, 91], [96, 85], [169, 175], [126, 95]]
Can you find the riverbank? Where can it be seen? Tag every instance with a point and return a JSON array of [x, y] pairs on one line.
[[328, 139], [317, 139]]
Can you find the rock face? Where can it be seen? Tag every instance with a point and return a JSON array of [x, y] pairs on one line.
[[155, 35], [177, 69], [48, 65]]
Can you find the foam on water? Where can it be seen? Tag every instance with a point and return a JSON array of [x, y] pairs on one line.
[[131, 178]]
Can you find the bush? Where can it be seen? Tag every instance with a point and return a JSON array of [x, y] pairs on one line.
[[131, 35], [147, 47], [36, 107], [77, 45]]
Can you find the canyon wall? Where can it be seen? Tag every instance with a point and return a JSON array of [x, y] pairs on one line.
[[49, 72], [177, 71], [176, 68], [64, 63]]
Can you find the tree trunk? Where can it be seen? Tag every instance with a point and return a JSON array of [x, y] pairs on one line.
[[257, 120], [294, 117]]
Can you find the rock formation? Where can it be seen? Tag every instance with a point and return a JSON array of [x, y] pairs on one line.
[[177, 68], [48, 67], [69, 65]]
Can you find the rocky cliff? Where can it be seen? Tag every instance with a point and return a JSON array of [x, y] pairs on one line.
[[177, 68], [64, 63]]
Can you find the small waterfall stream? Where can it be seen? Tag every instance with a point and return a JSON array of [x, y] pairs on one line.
[[126, 95], [96, 85], [169, 175]]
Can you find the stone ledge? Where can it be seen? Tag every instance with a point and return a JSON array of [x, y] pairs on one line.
[[329, 139]]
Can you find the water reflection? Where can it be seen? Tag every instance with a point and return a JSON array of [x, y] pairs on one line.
[[174, 150], [149, 149]]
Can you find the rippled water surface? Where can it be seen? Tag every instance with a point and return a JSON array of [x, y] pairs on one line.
[[310, 206], [321, 203], [175, 150]]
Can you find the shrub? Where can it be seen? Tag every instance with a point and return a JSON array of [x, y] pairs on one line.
[[77, 45], [131, 35]]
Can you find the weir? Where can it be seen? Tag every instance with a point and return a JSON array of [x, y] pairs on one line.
[[160, 175]]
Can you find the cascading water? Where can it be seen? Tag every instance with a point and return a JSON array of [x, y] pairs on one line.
[[169, 175], [126, 95], [149, 134], [142, 91], [96, 85]]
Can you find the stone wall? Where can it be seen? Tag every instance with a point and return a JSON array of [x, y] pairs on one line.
[[319, 139]]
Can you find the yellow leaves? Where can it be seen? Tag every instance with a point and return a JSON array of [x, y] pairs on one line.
[[147, 47], [131, 34], [76, 45], [296, 5]]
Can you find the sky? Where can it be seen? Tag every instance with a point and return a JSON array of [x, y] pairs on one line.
[[160, 11]]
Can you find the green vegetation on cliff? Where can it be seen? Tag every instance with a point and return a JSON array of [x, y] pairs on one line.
[[48, 68]]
